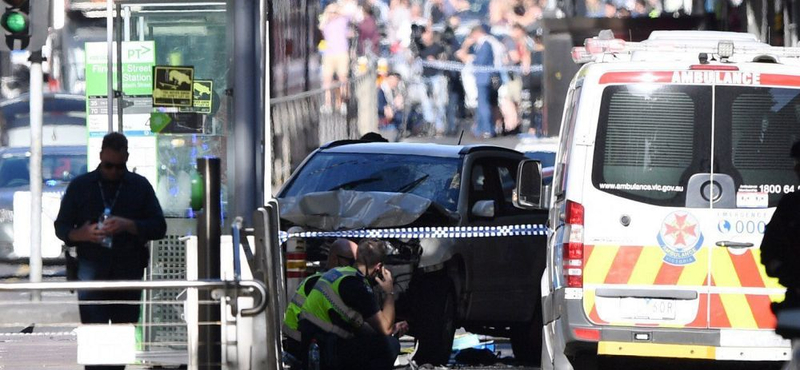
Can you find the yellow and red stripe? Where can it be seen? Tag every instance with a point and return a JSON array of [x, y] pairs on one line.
[[737, 296]]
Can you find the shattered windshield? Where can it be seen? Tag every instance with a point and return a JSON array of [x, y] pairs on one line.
[[434, 178]]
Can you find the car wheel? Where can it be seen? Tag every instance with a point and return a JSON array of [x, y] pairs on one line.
[[435, 322], [526, 339], [586, 360]]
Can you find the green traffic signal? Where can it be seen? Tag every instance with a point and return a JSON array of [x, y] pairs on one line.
[[15, 22]]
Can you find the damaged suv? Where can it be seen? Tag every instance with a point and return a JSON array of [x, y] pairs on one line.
[[488, 285]]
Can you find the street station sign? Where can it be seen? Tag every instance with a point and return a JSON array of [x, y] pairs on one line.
[[138, 59]]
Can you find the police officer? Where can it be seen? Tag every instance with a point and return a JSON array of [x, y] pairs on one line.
[[341, 253], [343, 317], [780, 248]]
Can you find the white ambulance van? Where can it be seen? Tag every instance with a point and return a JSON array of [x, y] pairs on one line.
[[673, 155]]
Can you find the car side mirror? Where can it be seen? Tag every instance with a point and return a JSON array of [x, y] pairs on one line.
[[528, 191], [483, 208]]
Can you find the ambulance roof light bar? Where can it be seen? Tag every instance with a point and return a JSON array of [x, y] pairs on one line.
[[594, 48]]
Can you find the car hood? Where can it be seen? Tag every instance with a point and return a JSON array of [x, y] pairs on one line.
[[348, 210]]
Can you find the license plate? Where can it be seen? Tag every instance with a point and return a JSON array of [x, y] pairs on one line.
[[648, 308]]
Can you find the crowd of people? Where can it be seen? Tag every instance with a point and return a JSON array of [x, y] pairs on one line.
[[443, 63]]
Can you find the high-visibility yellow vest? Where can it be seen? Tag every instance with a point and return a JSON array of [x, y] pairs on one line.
[[325, 297], [291, 316]]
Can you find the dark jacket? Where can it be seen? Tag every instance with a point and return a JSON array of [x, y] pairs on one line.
[[484, 57], [780, 248], [136, 201]]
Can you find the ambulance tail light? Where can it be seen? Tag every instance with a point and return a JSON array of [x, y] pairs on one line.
[[573, 245], [587, 334]]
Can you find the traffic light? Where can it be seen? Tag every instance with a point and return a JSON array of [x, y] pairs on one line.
[[24, 24]]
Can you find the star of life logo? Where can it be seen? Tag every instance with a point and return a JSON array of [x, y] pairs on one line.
[[680, 238]]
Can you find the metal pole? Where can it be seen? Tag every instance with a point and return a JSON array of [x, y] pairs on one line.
[[267, 111], [36, 104], [118, 93], [110, 74], [267, 327], [208, 255], [245, 92], [126, 23]]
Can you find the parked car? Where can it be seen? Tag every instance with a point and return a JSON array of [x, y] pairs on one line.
[[488, 285], [63, 120], [60, 164]]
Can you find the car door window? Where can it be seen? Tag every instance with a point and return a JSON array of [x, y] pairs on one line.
[[507, 172], [484, 185]]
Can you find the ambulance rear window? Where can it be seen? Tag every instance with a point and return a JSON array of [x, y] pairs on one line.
[[764, 122], [653, 138], [648, 140]]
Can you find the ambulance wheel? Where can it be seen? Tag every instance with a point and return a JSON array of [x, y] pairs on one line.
[[435, 322], [526, 339]]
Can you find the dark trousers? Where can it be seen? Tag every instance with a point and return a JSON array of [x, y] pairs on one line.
[[484, 111], [105, 313], [454, 103], [367, 352]]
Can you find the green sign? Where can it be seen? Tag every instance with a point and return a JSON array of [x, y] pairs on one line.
[[138, 59]]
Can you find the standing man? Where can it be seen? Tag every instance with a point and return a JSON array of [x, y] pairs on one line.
[[482, 57], [342, 315], [780, 248], [135, 218], [341, 253]]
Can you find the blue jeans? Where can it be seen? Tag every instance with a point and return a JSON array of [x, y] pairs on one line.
[[484, 113]]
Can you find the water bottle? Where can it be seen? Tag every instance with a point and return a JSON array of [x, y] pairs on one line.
[[313, 355], [106, 242]]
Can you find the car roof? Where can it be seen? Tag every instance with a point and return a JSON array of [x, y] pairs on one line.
[[423, 149], [53, 150], [52, 102]]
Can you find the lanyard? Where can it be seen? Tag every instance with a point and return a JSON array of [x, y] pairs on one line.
[[103, 195]]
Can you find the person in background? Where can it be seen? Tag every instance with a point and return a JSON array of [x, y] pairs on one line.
[[117, 250], [520, 48], [437, 11], [390, 103], [369, 36], [435, 107], [342, 253], [455, 88], [478, 50], [342, 315], [335, 28]]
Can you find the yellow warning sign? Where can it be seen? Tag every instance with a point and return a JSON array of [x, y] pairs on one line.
[[173, 86], [203, 96]]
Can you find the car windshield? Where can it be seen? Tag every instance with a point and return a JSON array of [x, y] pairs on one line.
[[55, 168], [434, 178]]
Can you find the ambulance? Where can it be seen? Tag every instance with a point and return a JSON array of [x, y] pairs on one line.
[[673, 155]]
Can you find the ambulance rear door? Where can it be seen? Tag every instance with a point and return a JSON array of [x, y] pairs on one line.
[[756, 120], [646, 254]]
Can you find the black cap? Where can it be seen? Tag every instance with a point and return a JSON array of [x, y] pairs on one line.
[[795, 152]]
